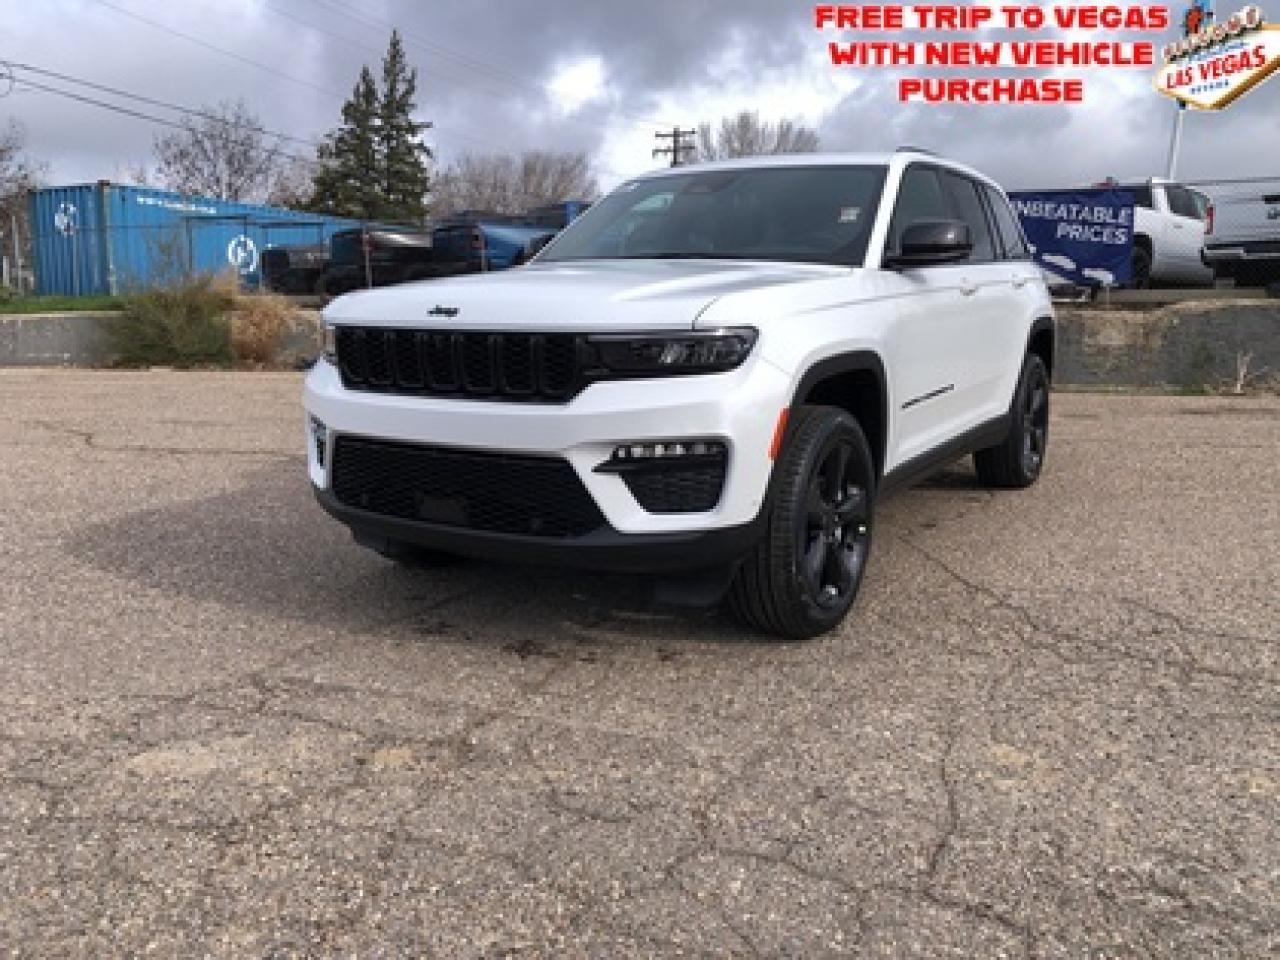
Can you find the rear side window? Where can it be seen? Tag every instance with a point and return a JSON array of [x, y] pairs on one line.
[[1182, 203], [1007, 226], [920, 197], [966, 204]]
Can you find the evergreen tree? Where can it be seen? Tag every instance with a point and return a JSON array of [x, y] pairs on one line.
[[403, 155], [374, 166], [346, 180]]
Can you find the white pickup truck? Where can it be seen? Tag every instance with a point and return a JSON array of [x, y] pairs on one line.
[[1242, 239], [1168, 230]]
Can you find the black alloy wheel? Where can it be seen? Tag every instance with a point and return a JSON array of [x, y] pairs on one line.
[[834, 529], [1035, 423], [803, 575], [1017, 460]]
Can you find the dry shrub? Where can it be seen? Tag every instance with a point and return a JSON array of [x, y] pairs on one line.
[[259, 323], [181, 325]]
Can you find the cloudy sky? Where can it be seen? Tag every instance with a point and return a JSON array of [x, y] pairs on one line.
[[502, 75]]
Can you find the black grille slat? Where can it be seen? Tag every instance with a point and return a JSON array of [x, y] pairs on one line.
[[526, 496], [515, 366], [442, 371], [351, 355], [477, 365], [378, 350], [559, 365], [407, 359]]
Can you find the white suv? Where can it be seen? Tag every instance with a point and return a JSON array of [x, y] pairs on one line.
[[711, 376]]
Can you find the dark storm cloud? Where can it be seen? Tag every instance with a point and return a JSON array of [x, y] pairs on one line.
[[483, 66]]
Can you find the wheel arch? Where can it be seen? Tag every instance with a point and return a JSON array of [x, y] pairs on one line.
[[1042, 341], [856, 383]]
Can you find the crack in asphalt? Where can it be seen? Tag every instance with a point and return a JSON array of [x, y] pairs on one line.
[[1188, 664], [90, 439]]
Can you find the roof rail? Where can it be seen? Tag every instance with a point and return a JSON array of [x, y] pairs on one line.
[[911, 149]]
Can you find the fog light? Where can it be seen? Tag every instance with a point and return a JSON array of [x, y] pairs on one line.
[[631, 456], [319, 437]]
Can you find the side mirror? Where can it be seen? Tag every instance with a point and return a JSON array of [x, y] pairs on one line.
[[928, 243]]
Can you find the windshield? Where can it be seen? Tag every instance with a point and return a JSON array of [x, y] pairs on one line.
[[803, 214]]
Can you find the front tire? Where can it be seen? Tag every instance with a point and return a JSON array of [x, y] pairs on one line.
[[1016, 461], [803, 575], [1141, 269]]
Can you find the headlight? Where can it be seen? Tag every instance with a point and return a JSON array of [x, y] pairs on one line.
[[329, 344], [665, 354]]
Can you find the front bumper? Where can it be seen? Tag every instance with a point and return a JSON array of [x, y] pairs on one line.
[[739, 408], [604, 550]]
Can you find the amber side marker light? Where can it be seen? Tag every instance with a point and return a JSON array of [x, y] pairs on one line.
[[779, 432]]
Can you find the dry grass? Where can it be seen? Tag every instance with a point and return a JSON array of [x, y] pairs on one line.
[[259, 324]]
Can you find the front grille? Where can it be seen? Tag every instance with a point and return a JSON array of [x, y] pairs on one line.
[[692, 487], [491, 366], [529, 496]]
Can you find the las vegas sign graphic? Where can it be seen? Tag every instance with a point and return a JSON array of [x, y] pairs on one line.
[[1216, 66]]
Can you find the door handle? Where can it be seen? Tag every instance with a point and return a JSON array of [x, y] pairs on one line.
[[1020, 282], [968, 289]]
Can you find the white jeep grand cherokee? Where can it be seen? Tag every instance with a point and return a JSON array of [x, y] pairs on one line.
[[711, 376]]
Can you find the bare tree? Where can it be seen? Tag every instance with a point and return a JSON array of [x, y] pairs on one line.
[[292, 185], [746, 135], [19, 174], [513, 184], [226, 154]]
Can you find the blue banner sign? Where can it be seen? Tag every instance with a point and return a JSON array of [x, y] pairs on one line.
[[1083, 236]]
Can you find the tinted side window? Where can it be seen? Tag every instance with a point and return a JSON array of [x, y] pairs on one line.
[[1011, 237], [1183, 203], [967, 206], [920, 197], [1142, 196]]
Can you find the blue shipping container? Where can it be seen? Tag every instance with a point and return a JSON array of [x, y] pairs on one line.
[[106, 238]]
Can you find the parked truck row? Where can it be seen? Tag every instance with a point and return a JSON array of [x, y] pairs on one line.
[[379, 255]]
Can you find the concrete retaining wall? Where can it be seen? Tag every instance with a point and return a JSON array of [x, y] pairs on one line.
[[54, 340], [80, 340], [1190, 346]]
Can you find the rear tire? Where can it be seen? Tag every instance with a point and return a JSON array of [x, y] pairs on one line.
[[1017, 460], [802, 576]]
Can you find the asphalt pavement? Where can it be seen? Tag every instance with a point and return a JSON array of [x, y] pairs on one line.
[[1050, 729]]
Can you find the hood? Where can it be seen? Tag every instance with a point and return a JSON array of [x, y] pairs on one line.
[[579, 295]]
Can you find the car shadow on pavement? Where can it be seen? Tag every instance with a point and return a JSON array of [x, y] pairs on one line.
[[267, 547]]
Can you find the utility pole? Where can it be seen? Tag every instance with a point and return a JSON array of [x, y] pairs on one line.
[[678, 147]]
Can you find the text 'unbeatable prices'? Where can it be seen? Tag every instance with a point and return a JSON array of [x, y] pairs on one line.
[[991, 52]]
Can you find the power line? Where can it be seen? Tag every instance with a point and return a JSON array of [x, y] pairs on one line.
[[678, 147], [137, 114], [368, 48], [261, 66], [272, 8], [152, 101], [222, 50]]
